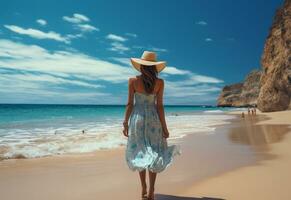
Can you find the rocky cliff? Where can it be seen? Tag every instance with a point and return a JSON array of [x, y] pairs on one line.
[[270, 89], [230, 95], [241, 94], [275, 82], [251, 88]]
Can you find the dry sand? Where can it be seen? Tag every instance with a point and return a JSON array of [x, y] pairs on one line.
[[267, 180], [247, 159]]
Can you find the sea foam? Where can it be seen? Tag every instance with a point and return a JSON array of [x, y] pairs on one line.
[[31, 142]]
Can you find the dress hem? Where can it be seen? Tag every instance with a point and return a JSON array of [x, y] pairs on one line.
[[176, 151]]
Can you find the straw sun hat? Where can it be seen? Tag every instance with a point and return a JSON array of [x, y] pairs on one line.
[[148, 58]]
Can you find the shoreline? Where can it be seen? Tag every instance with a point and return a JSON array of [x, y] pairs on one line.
[[104, 174], [89, 137], [69, 135]]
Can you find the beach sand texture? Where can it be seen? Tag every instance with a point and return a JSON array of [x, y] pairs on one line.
[[267, 180], [249, 158]]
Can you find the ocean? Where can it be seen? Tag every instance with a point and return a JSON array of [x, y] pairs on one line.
[[30, 131]]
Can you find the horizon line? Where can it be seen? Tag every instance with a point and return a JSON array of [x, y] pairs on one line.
[[77, 104]]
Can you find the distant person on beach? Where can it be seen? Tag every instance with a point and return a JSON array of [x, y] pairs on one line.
[[249, 111], [147, 147], [242, 115]]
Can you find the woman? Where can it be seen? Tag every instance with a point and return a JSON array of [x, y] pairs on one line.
[[145, 124]]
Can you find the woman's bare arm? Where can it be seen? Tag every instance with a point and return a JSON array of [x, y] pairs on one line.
[[129, 106], [160, 109]]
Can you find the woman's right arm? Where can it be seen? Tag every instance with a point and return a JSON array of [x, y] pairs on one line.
[[160, 109], [129, 106]]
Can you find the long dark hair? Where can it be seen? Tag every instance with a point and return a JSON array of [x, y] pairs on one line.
[[149, 76]]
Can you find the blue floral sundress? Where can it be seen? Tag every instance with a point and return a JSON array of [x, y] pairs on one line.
[[146, 147]]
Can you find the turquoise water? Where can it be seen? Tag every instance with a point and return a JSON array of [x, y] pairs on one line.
[[10, 113], [42, 130]]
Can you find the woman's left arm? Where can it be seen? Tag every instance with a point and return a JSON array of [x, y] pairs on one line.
[[129, 106]]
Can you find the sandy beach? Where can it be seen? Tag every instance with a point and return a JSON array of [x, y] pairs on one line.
[[268, 179], [213, 77], [246, 159]]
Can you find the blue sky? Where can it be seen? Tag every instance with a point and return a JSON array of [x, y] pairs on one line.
[[77, 52]]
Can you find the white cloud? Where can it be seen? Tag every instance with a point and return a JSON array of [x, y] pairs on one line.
[[204, 79], [80, 22], [18, 91], [191, 78], [44, 74], [192, 86], [192, 89], [208, 39], [178, 89], [86, 27], [16, 55], [34, 33], [19, 86], [44, 79], [158, 49], [175, 71], [76, 18], [197, 79], [116, 38], [150, 48], [41, 22], [131, 35], [201, 23], [124, 61], [118, 47], [81, 17], [74, 36]]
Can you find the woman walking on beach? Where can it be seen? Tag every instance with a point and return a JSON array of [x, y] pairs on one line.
[[145, 124]]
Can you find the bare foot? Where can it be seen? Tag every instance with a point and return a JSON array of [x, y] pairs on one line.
[[144, 192], [151, 195]]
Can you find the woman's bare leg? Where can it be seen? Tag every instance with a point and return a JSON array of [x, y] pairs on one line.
[[152, 177], [142, 176]]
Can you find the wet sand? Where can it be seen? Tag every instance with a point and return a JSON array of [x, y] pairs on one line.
[[105, 175], [268, 179]]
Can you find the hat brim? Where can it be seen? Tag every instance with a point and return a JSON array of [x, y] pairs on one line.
[[136, 62]]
